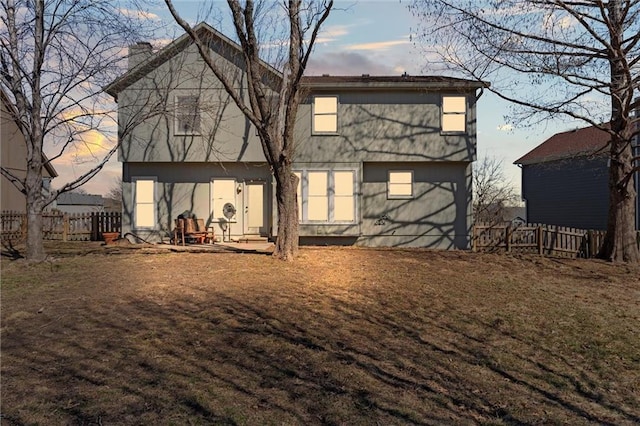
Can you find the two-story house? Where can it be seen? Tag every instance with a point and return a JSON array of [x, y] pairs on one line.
[[382, 161]]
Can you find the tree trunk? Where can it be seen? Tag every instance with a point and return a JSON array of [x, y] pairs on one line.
[[287, 201], [33, 188], [620, 241], [620, 244]]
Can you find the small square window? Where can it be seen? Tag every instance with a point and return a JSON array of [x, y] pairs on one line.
[[187, 115], [454, 114], [325, 114], [400, 184]]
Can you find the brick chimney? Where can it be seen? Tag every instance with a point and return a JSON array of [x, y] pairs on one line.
[[138, 53]]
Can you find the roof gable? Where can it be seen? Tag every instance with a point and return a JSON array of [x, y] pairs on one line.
[[573, 143], [224, 46]]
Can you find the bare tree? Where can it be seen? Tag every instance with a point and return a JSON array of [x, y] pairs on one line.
[[115, 190], [272, 103], [491, 191], [554, 58], [55, 56]]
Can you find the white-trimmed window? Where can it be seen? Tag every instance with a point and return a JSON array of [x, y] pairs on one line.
[[299, 194], [400, 184], [454, 114], [327, 196], [144, 191], [343, 196], [318, 196], [325, 115], [187, 115]]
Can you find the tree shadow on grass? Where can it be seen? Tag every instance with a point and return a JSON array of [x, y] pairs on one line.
[[8, 250], [319, 355]]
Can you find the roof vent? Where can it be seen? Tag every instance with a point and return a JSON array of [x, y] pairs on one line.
[[404, 74]]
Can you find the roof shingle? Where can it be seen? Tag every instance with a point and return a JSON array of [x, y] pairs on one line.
[[573, 143]]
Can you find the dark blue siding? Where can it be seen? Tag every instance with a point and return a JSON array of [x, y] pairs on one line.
[[572, 192]]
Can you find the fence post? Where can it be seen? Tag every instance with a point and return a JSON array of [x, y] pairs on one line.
[[65, 227], [94, 226], [540, 237], [473, 239], [507, 238]]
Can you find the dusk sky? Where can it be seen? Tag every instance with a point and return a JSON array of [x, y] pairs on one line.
[[366, 37]]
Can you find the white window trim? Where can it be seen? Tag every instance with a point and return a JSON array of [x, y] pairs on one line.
[[176, 128], [304, 185], [400, 197], [313, 115], [443, 114], [134, 181]]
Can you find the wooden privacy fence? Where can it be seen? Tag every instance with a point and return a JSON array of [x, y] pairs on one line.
[[59, 226], [538, 238]]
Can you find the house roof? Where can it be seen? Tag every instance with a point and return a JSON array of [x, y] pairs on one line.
[[76, 199], [573, 143], [325, 81], [405, 80], [8, 105]]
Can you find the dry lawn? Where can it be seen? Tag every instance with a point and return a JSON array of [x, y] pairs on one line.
[[339, 336]]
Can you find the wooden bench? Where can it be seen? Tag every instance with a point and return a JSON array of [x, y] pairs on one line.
[[194, 229]]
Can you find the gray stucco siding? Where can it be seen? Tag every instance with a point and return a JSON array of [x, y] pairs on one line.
[[437, 216], [386, 126], [226, 134], [572, 192], [373, 126], [186, 187]]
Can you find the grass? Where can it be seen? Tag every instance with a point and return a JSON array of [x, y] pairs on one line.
[[339, 336]]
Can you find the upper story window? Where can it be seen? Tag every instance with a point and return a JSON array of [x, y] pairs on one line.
[[400, 184], [325, 115], [187, 115], [454, 114]]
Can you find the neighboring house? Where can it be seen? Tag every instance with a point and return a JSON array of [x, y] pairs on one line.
[[72, 202], [499, 213], [515, 214], [382, 161], [565, 180], [13, 157]]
